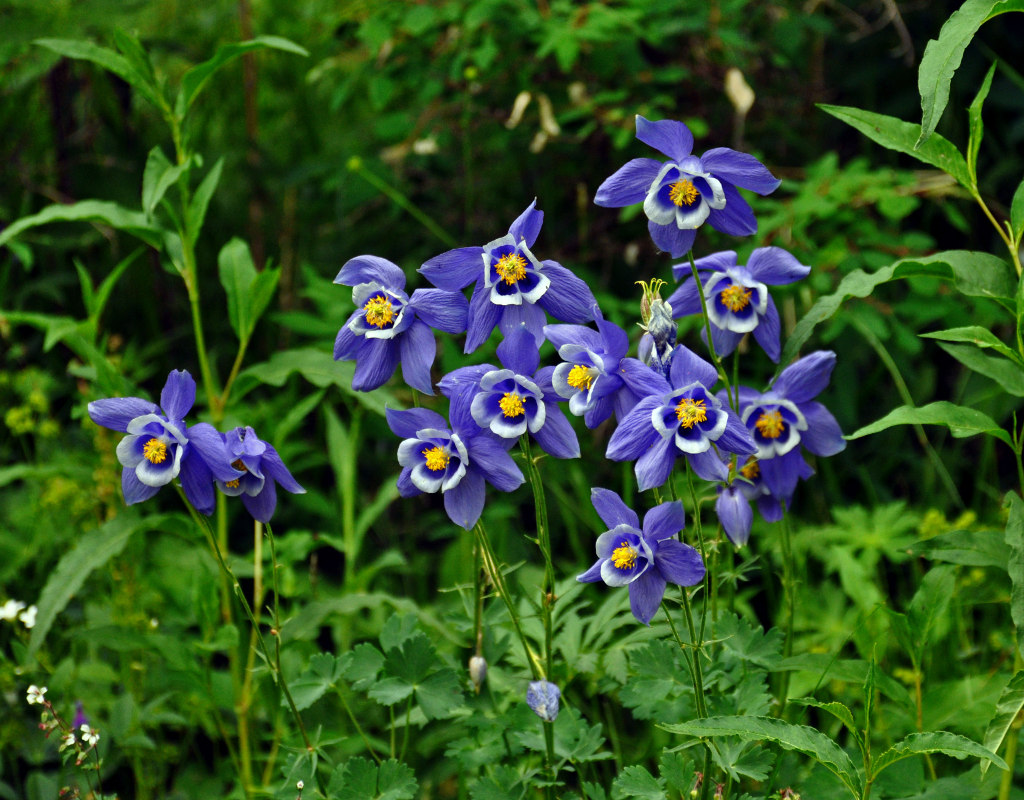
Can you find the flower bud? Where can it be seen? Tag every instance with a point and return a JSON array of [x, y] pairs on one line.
[[543, 698], [477, 671]]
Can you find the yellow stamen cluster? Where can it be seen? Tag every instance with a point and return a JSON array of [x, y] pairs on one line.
[[232, 484], [511, 405], [511, 268], [580, 377], [689, 412], [683, 193], [379, 311], [770, 424], [750, 470], [624, 556], [237, 464], [735, 297], [437, 458], [155, 451]]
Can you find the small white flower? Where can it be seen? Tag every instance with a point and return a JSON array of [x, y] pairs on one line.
[[89, 736], [68, 740], [300, 785], [28, 617], [9, 610], [35, 695]]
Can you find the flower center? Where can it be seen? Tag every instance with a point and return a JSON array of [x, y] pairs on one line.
[[511, 268], [580, 377], [770, 424], [689, 412], [750, 470], [683, 193], [624, 556], [511, 405], [154, 451], [237, 464], [437, 458], [735, 297], [379, 311]]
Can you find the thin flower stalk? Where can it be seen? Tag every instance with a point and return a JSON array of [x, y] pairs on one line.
[[547, 588], [733, 399], [789, 590]]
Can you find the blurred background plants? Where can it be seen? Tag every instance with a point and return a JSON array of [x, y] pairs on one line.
[[409, 128]]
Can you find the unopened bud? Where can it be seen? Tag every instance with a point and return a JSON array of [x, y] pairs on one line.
[[477, 671], [543, 697]]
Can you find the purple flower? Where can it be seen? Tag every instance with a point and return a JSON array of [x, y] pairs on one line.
[[160, 447], [389, 326], [262, 469], [454, 461], [80, 717], [519, 398], [513, 288], [678, 416], [543, 698], [733, 503], [645, 559], [786, 417], [737, 296], [590, 377], [680, 194]]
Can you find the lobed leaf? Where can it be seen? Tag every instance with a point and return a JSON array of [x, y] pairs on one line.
[[101, 211], [806, 740], [905, 137], [636, 781], [961, 421], [942, 57], [1010, 704], [950, 744], [359, 779]]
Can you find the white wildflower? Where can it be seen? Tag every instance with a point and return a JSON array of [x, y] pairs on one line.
[[35, 695]]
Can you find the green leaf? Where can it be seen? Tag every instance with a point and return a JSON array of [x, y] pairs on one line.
[[1008, 374], [94, 549], [359, 779], [950, 744], [1010, 704], [196, 214], [1017, 213], [905, 137], [323, 673], [638, 782], [967, 548], [109, 60], [193, 81], [1015, 564], [942, 57], [980, 337], [249, 292], [100, 211], [362, 665], [158, 176], [678, 772], [961, 421], [792, 737], [929, 604], [837, 710], [973, 274], [977, 127], [102, 294]]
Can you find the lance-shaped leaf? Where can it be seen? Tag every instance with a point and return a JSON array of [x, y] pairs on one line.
[[950, 744], [1015, 540], [124, 67], [961, 421], [977, 127], [1010, 704], [249, 292], [101, 211], [158, 176], [980, 337], [1008, 374]]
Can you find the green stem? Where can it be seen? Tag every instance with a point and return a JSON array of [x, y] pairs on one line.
[[1007, 240], [708, 577], [733, 401], [547, 595], [788, 588]]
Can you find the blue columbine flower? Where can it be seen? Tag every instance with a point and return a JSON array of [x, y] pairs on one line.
[[678, 416], [646, 558], [737, 296], [543, 698], [734, 499], [786, 417], [519, 398], [160, 447], [389, 326], [513, 288], [590, 377], [679, 195], [262, 469], [454, 461]]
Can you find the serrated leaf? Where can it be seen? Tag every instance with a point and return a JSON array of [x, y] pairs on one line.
[[440, 694], [94, 549], [323, 673], [389, 691], [1010, 704], [158, 176], [980, 337], [961, 421], [362, 665], [678, 771], [1008, 374], [806, 740], [905, 137], [949, 744], [193, 81], [397, 629], [977, 128], [356, 779], [638, 782], [973, 274], [836, 709], [967, 548], [101, 211], [505, 784], [942, 57], [396, 781], [195, 215], [1015, 564]]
